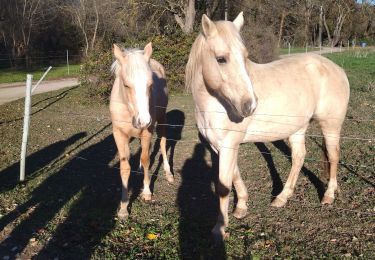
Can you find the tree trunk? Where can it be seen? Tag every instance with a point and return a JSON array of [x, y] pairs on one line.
[[96, 25], [327, 29], [187, 26], [283, 15], [320, 26]]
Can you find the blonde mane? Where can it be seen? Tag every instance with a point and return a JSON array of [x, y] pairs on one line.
[[116, 66]]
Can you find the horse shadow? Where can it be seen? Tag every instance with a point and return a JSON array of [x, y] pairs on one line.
[[85, 193], [198, 206], [175, 123], [277, 184], [57, 98], [35, 163]]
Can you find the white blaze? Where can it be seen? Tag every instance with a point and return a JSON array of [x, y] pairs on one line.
[[142, 99], [242, 71]]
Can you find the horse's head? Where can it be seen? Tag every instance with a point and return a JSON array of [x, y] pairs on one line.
[[224, 64], [136, 77]]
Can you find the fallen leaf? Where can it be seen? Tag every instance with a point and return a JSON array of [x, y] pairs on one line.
[[152, 236]]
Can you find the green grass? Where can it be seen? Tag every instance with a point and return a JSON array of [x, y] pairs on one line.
[[67, 207], [60, 71], [359, 65]]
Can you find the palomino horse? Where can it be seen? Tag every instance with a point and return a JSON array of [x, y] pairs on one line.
[[239, 101], [138, 100]]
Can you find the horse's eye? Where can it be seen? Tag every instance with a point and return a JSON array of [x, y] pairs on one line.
[[221, 60]]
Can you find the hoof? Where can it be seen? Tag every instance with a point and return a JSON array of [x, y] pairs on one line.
[[327, 200], [219, 238], [123, 215], [239, 213], [146, 196], [169, 177], [278, 203]]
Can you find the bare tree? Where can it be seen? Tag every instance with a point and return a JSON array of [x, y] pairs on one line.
[[21, 18], [339, 10]]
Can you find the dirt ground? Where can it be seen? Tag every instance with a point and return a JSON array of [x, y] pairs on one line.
[[14, 91], [67, 207]]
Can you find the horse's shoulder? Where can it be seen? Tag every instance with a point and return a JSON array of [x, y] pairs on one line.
[[157, 68]]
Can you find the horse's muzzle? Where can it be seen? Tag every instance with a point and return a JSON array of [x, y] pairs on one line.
[[248, 108], [136, 122]]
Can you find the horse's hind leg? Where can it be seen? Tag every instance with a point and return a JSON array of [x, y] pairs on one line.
[[163, 149], [331, 131], [297, 144], [241, 207], [122, 143], [145, 161]]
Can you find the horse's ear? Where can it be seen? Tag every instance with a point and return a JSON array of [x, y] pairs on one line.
[[147, 51], [208, 27], [118, 53], [238, 22]]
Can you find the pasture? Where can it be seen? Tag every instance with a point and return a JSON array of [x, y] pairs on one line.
[[67, 207], [59, 71]]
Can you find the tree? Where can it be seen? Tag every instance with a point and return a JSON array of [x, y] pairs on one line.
[[20, 19]]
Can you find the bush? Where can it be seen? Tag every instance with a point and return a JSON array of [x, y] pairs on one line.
[[260, 42], [171, 51], [95, 73]]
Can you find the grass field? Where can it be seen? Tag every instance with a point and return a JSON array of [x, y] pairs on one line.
[[11, 75], [67, 207]]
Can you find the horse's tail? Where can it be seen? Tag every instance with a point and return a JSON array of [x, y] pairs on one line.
[[325, 160]]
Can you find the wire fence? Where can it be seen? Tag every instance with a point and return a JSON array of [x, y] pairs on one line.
[[153, 172], [194, 127]]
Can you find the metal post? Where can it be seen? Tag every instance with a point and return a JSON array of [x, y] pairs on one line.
[[26, 124], [67, 60], [226, 10], [306, 47], [288, 48]]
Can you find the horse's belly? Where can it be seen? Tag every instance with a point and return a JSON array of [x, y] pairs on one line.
[[269, 129]]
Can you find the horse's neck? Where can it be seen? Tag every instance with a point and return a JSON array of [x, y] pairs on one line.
[[118, 92]]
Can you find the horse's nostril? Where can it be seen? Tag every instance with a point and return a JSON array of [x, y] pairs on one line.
[[135, 122], [246, 108]]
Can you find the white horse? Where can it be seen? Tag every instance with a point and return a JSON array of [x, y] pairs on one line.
[[139, 99], [240, 101]]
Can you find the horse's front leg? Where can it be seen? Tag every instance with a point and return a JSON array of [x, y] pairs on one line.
[[145, 161], [227, 163], [122, 143], [242, 194]]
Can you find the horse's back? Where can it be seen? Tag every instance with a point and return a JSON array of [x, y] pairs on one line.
[[310, 78]]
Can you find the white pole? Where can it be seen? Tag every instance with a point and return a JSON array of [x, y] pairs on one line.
[[288, 48], [306, 47], [26, 124], [67, 60], [332, 47], [37, 84], [341, 46]]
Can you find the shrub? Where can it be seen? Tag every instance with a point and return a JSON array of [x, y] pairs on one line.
[[260, 42], [172, 51]]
